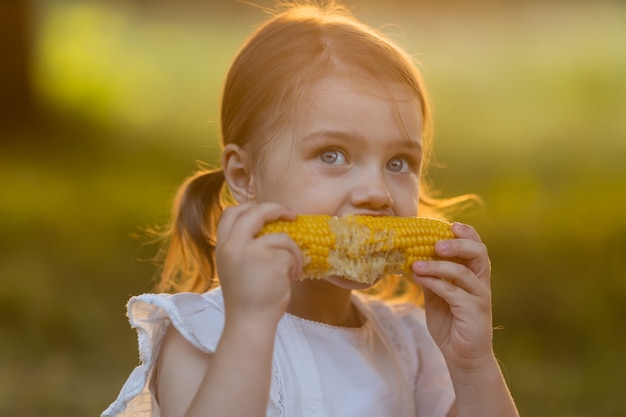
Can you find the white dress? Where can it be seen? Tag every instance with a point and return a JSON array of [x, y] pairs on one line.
[[388, 367]]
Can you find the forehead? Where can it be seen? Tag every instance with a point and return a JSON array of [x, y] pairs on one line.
[[351, 106], [368, 106], [338, 86]]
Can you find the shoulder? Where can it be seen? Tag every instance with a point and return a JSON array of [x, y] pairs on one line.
[[175, 332], [199, 318]]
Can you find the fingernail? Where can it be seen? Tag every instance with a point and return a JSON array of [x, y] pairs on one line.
[[442, 246], [420, 265]]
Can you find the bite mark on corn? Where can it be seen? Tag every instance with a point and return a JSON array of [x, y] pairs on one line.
[[362, 248]]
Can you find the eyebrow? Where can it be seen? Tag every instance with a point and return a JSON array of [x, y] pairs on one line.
[[351, 136]]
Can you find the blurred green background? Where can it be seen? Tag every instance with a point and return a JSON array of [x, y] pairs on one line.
[[105, 106]]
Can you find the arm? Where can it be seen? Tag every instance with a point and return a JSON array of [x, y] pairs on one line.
[[256, 274], [457, 298], [191, 382], [483, 394]]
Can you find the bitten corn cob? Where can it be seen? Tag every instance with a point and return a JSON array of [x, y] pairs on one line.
[[362, 248]]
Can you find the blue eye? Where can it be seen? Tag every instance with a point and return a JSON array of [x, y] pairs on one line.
[[333, 157]]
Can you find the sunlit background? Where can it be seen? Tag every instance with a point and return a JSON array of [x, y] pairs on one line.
[[105, 106]]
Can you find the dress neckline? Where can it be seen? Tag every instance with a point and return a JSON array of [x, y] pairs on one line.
[[364, 323]]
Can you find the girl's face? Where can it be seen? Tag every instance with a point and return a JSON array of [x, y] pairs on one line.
[[350, 151]]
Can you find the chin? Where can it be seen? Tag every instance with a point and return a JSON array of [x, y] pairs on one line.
[[349, 284]]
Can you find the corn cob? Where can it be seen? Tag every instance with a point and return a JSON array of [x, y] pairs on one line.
[[361, 248]]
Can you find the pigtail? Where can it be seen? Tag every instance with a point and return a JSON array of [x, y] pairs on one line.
[[188, 253]]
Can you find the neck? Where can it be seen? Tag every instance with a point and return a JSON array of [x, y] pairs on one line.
[[323, 302]]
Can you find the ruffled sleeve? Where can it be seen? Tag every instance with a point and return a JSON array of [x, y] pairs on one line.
[[199, 318]]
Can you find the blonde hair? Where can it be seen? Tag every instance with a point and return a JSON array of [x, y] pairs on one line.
[[265, 84]]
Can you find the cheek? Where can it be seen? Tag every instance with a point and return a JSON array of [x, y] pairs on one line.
[[310, 194], [406, 197], [282, 184]]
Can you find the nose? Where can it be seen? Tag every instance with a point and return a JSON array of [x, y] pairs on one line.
[[372, 192]]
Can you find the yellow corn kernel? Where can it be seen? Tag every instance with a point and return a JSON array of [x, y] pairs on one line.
[[362, 248], [313, 235]]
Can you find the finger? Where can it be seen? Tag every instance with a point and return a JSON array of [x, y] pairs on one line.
[[282, 241], [465, 231], [263, 213], [462, 249], [454, 273], [249, 218], [471, 253], [456, 297], [436, 287], [230, 216]]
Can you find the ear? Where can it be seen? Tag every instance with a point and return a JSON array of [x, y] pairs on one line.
[[237, 171]]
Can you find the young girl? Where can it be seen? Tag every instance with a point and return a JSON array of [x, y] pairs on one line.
[[320, 115]]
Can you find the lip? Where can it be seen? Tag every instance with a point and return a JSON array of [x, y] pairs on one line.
[[367, 213]]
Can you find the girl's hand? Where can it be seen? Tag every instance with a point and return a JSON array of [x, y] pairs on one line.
[[256, 273], [457, 297]]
